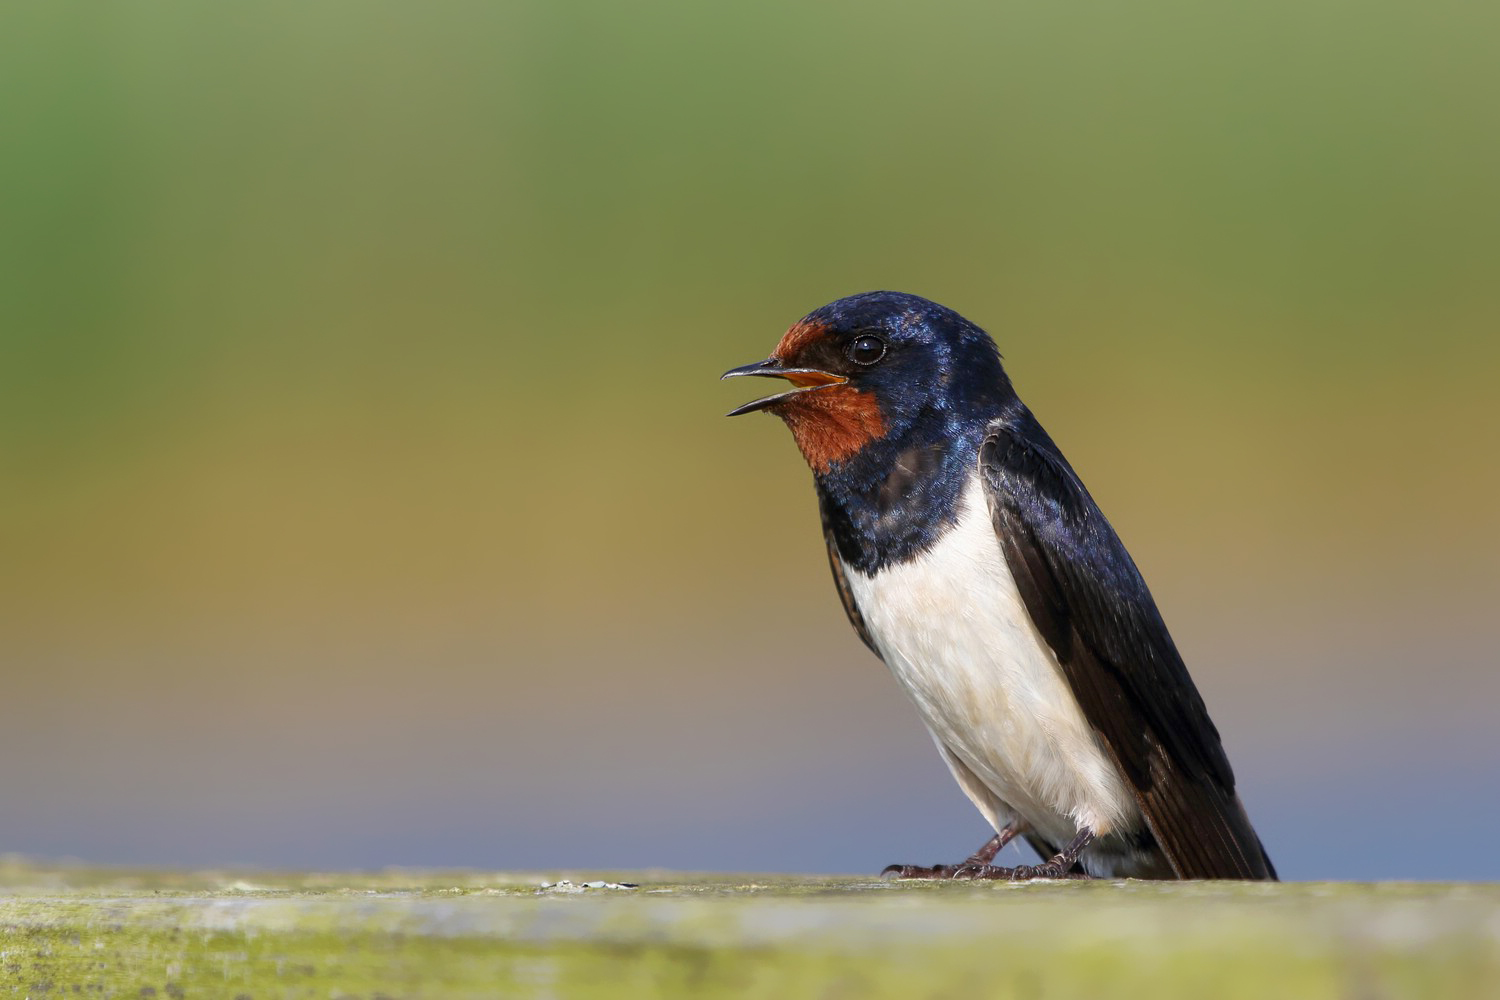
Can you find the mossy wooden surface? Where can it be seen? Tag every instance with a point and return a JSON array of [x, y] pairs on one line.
[[404, 934]]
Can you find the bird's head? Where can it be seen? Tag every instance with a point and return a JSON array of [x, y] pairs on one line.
[[873, 367]]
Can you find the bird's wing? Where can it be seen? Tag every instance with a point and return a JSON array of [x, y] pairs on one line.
[[842, 582], [1091, 605]]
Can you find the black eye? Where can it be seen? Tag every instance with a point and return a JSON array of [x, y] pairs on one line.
[[866, 350]]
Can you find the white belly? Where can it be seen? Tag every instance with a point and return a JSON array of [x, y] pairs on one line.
[[953, 629]]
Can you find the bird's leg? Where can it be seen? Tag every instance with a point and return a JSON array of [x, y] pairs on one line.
[[979, 859], [1061, 866]]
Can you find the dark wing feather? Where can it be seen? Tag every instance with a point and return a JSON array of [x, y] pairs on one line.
[[1089, 602], [842, 582]]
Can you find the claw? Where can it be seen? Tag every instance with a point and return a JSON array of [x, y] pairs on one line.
[[918, 871]]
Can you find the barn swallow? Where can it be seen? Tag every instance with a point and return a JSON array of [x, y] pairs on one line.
[[972, 560]]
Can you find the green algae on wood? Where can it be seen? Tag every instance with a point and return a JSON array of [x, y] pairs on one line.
[[413, 934]]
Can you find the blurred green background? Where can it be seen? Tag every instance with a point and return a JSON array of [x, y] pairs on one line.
[[367, 499]]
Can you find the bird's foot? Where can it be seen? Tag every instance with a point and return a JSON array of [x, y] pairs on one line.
[[983, 872], [980, 859], [978, 866], [1023, 873]]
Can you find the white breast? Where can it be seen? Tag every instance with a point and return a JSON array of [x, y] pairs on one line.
[[953, 629]]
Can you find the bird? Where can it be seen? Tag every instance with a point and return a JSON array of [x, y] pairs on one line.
[[972, 560]]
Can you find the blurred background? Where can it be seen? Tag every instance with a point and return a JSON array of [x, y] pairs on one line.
[[366, 498]]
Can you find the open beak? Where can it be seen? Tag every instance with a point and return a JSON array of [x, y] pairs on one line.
[[805, 379]]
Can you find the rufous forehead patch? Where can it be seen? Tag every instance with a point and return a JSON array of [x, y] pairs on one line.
[[797, 338]]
